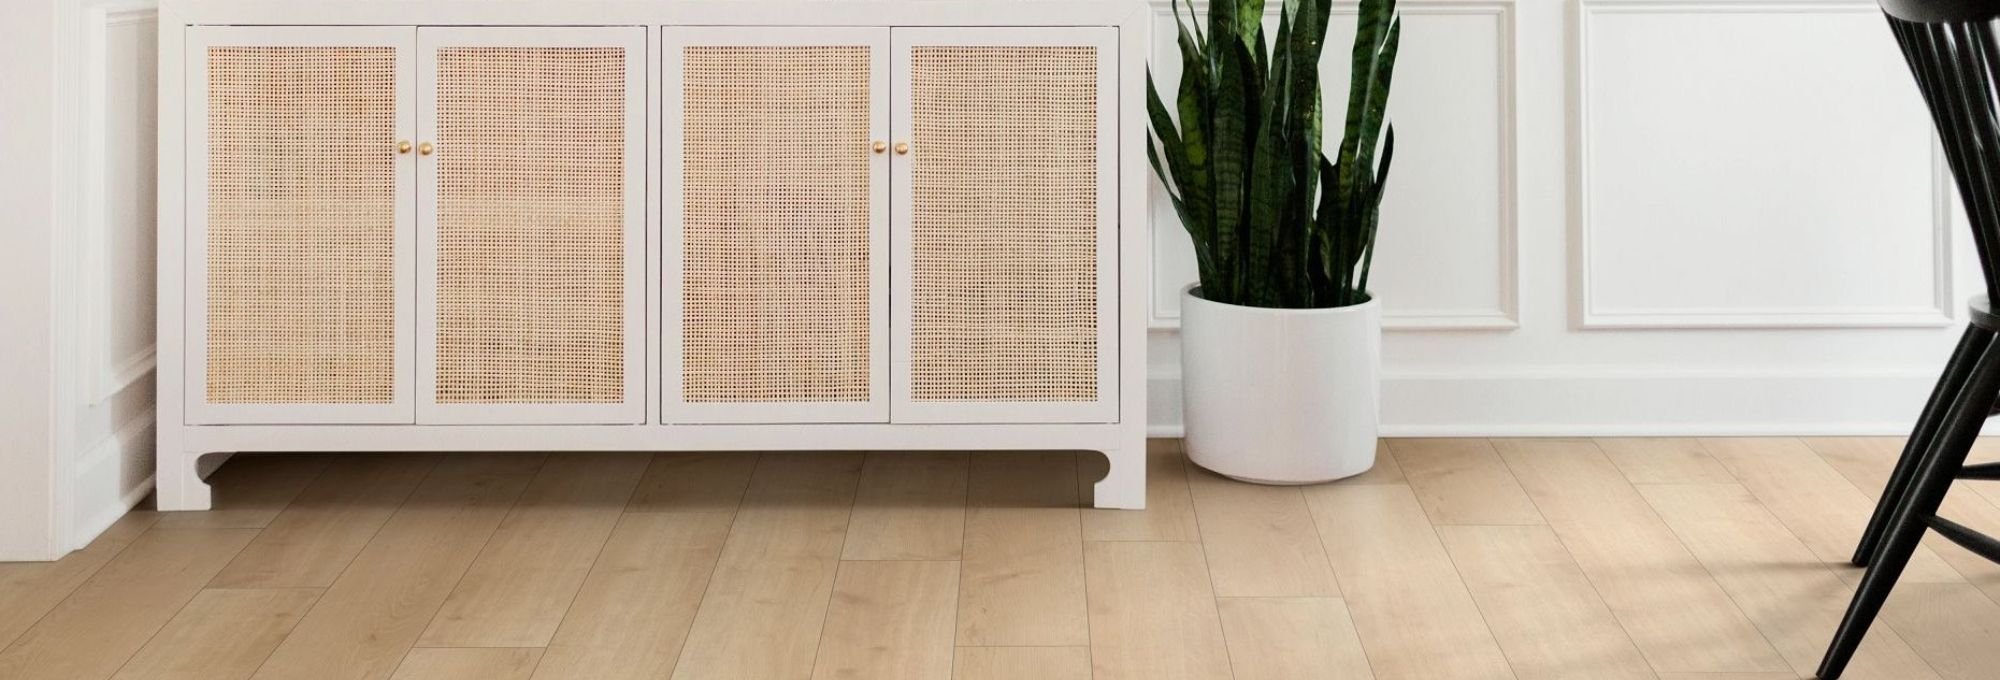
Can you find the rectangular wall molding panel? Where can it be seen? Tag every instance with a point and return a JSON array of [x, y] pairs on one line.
[[1792, 201]]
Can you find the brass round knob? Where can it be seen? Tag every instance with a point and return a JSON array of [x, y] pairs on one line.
[[424, 148], [403, 146], [881, 147], [902, 148]]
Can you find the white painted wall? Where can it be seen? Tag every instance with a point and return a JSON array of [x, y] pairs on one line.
[[1643, 216], [76, 272], [27, 77], [108, 457]]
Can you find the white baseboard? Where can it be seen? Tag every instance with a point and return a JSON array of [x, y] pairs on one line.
[[114, 476], [1572, 403]]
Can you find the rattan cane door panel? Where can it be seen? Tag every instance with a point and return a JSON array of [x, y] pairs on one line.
[[300, 225], [530, 252], [1005, 227], [776, 215]]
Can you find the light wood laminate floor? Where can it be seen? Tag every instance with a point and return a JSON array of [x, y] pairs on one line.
[[1670, 559]]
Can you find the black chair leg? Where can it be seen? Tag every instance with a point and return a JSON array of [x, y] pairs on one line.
[[1937, 467], [1928, 424]]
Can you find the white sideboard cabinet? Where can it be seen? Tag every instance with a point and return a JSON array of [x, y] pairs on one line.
[[651, 225]]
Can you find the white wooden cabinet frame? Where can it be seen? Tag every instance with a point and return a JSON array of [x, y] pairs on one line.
[[652, 415]]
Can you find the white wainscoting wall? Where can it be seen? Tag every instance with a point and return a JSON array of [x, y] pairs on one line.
[[107, 456], [1641, 217], [76, 270]]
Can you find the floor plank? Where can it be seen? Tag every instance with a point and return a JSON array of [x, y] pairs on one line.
[[910, 506], [1169, 513], [1796, 601], [1664, 460], [1260, 540], [889, 620], [760, 620], [492, 663], [1394, 570], [1818, 505], [796, 505], [1019, 663], [762, 614], [371, 616], [1022, 582], [250, 490], [320, 532], [1152, 614], [28, 590], [221, 635], [633, 614], [682, 482], [1462, 481], [1549, 620], [1674, 610], [1950, 624], [107, 619], [516, 592], [1285, 638]]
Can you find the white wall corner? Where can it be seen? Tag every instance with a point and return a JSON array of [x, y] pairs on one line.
[[101, 249]]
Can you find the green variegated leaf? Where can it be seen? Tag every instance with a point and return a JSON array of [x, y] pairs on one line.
[[1329, 241], [1166, 179], [1222, 25], [1382, 168], [1376, 107], [1375, 207], [1169, 136], [1249, 21], [1361, 200], [1235, 120], [1372, 27]]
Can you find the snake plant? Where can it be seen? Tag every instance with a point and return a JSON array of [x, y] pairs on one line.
[[1275, 221]]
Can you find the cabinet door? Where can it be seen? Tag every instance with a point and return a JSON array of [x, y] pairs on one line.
[[1005, 238], [532, 201], [300, 225], [775, 222]]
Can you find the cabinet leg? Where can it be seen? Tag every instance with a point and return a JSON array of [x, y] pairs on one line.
[[177, 482], [1124, 487]]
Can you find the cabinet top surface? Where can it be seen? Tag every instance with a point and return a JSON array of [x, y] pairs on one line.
[[1124, 13]]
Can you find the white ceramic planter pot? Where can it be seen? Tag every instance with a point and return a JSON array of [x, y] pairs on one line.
[[1280, 396]]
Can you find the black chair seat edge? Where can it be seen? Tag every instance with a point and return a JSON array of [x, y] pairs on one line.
[[1934, 11]]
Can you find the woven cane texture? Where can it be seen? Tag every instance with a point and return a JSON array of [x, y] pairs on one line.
[[1004, 224], [301, 231], [775, 224], [530, 225]]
